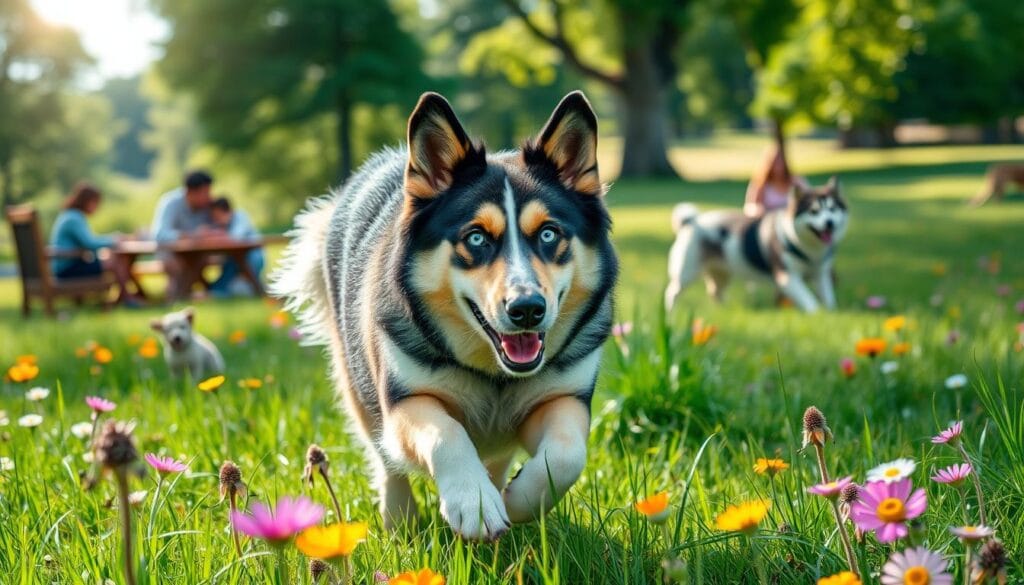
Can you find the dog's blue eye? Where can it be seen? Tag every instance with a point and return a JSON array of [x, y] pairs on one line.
[[476, 239], [548, 235]]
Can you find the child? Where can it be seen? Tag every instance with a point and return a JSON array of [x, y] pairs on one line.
[[236, 225]]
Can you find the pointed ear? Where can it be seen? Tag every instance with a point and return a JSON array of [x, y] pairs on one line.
[[156, 325], [833, 184], [190, 314], [569, 142], [437, 145]]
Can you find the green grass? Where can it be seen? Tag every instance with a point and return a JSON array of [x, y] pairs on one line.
[[741, 395]]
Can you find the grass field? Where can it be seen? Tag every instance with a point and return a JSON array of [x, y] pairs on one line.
[[670, 414]]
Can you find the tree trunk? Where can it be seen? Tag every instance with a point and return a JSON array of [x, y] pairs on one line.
[[779, 134], [7, 195], [343, 109], [645, 113]]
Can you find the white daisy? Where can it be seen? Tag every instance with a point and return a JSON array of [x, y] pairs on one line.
[[893, 471], [956, 381], [916, 565], [30, 420], [82, 430], [38, 393], [6, 464], [889, 367], [136, 498]]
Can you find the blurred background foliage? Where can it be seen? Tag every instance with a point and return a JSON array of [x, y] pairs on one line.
[[283, 98]]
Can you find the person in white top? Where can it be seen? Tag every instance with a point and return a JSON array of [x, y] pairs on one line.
[[771, 185]]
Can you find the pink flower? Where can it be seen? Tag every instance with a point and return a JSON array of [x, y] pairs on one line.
[[848, 367], [295, 334], [165, 465], [953, 475], [951, 435], [885, 508], [830, 490], [99, 405], [276, 526], [1020, 306], [622, 329], [875, 302]]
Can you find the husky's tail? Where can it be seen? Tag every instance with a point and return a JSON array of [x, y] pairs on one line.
[[300, 279], [682, 215]]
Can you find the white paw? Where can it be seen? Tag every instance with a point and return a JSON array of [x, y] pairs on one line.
[[473, 507]]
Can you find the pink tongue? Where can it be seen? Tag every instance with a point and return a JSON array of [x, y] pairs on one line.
[[826, 237], [521, 348]]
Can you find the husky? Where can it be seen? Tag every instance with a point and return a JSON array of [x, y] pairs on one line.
[[791, 247], [184, 349], [465, 298]]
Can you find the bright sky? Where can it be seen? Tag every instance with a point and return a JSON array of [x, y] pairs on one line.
[[120, 34]]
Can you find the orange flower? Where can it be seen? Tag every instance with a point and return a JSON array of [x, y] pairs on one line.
[[22, 372], [237, 337], [211, 384], [654, 507], [844, 578], [770, 466], [894, 324], [81, 352], [702, 333], [250, 383], [27, 358], [870, 346], [149, 348], [102, 355], [901, 348], [327, 542], [422, 577], [279, 319]]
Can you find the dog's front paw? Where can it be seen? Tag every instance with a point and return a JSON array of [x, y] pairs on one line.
[[473, 508]]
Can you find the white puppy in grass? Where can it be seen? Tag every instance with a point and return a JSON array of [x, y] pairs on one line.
[[184, 349]]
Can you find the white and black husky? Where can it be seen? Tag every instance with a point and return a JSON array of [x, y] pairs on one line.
[[792, 247]]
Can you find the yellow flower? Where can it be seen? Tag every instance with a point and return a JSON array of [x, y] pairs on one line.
[[894, 324], [654, 507], [22, 372], [279, 319], [27, 358], [743, 518], [844, 578], [327, 542], [211, 384], [102, 355], [250, 383], [423, 577], [939, 269], [149, 348], [871, 346], [770, 466], [901, 348], [237, 337]]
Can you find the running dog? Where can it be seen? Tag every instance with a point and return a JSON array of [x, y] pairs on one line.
[[184, 349], [790, 247], [465, 298]]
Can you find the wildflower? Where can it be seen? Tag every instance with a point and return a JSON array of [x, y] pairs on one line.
[[701, 333], [916, 566], [279, 319], [956, 381], [211, 384], [622, 329], [847, 496], [99, 405], [950, 436], [81, 352], [654, 507], [328, 542], [236, 337], [875, 302], [102, 355], [149, 348], [231, 486], [1019, 306], [844, 578], [952, 337], [164, 465], [6, 464], [421, 577], [743, 518], [895, 324], [250, 383], [22, 372], [848, 367], [972, 533], [135, 499], [890, 367], [870, 346], [317, 569], [317, 463], [27, 359], [885, 508], [116, 453], [82, 430], [953, 475], [830, 490], [770, 466], [900, 349], [30, 421], [295, 334], [990, 563], [816, 431], [893, 471], [276, 526]]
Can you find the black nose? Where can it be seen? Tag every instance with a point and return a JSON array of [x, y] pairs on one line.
[[829, 225], [526, 310]]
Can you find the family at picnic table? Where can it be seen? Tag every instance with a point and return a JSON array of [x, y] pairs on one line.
[[188, 213]]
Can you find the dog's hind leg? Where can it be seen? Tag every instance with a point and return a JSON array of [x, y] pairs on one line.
[[796, 290], [683, 265], [715, 282], [498, 470], [397, 505]]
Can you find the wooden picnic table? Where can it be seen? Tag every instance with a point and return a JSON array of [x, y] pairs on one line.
[[193, 254]]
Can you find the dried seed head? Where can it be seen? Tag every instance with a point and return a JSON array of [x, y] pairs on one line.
[[231, 483], [816, 431], [115, 447], [990, 562], [849, 494], [316, 462], [317, 569]]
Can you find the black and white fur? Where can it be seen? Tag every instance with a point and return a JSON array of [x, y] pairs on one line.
[[793, 247]]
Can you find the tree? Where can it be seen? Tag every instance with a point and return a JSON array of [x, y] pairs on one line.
[[130, 156], [252, 66], [38, 61]]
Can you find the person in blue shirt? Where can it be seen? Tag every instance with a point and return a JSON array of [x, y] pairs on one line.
[[182, 213], [235, 224]]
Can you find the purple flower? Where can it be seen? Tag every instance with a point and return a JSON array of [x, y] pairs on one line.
[[951, 435], [830, 490], [295, 334], [99, 405], [953, 475], [622, 329], [165, 465], [875, 302], [884, 508], [276, 526]]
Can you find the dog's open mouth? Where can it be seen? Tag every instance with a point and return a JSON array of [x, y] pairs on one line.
[[519, 352], [823, 235]]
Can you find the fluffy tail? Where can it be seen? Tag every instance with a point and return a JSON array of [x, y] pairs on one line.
[[683, 214], [299, 278]]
